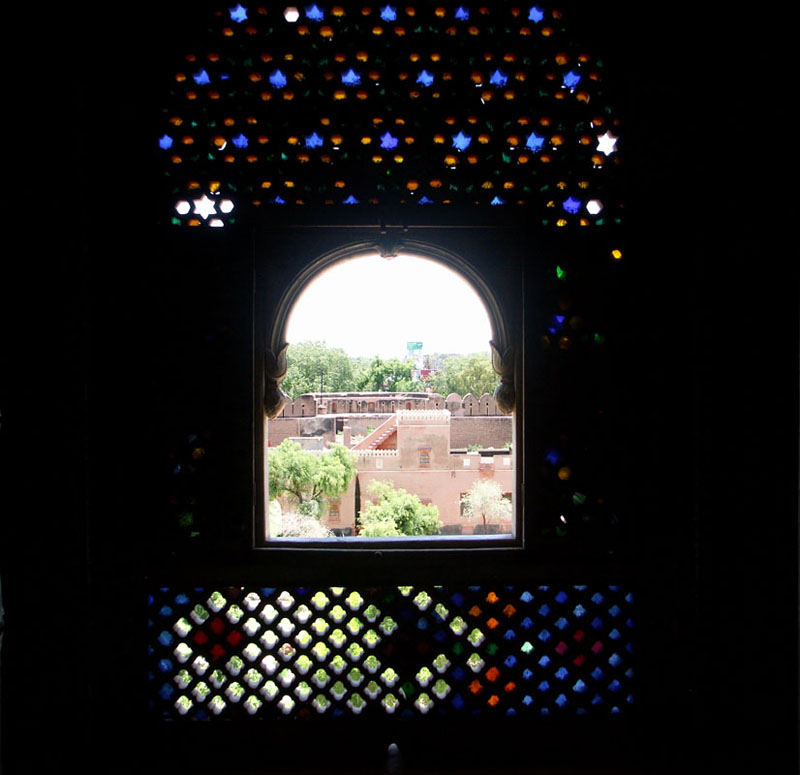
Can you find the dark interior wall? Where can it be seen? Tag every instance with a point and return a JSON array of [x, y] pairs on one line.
[[117, 345]]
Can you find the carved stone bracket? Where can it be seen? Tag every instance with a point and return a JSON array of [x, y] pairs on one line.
[[274, 372], [503, 363]]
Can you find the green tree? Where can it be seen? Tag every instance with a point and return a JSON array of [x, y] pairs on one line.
[[397, 513], [306, 477], [485, 499], [464, 374], [313, 367], [391, 374]]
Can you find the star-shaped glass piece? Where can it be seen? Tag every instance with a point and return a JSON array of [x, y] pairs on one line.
[[571, 79], [313, 140], [462, 14], [571, 205], [201, 78], [277, 79], [238, 14], [388, 142], [388, 14], [204, 207], [315, 13], [425, 78], [534, 142], [240, 141], [606, 143], [165, 142], [498, 78], [461, 141], [535, 14], [351, 78]]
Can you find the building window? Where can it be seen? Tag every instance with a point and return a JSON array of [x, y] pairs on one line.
[[385, 448]]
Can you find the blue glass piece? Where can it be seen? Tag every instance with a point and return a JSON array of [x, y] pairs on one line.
[[615, 610], [527, 674], [534, 142], [579, 687], [579, 610], [165, 665], [597, 598], [561, 623], [580, 711], [497, 201], [166, 691], [388, 142], [201, 78], [571, 205], [544, 610], [181, 599], [510, 661], [598, 674], [615, 660], [535, 14], [498, 78], [552, 456], [511, 712], [458, 674], [240, 141], [544, 661], [165, 611], [597, 699], [457, 702], [315, 13], [165, 639], [629, 623], [527, 700], [457, 599], [615, 686], [351, 200], [545, 711], [614, 587], [544, 636], [597, 623], [422, 622], [509, 635], [571, 79], [313, 140], [424, 78], [238, 14], [277, 79], [461, 141], [561, 673], [165, 142], [526, 597], [543, 686], [629, 598], [440, 635], [526, 623], [279, 200], [562, 596], [561, 701], [425, 201], [388, 14], [462, 14], [629, 673], [351, 78], [614, 634]]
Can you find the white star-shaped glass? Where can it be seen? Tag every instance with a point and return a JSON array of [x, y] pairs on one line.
[[607, 143], [204, 207]]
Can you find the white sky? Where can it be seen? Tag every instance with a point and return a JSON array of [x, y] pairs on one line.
[[373, 306]]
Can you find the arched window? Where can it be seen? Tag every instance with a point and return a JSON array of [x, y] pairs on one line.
[[366, 301]]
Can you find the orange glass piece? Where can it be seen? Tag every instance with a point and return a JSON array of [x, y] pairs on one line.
[[493, 700], [492, 674], [475, 611], [509, 610], [476, 687]]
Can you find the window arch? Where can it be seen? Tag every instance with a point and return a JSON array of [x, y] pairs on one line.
[[503, 349]]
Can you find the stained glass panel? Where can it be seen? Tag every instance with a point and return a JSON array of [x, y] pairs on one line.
[[418, 105], [242, 652]]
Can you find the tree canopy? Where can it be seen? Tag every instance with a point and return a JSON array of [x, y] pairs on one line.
[[307, 476], [314, 367], [397, 513], [391, 374], [485, 500], [464, 374]]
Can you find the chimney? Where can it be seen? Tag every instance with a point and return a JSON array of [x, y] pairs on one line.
[[346, 436]]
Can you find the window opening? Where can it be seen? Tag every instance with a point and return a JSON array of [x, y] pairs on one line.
[[407, 348]]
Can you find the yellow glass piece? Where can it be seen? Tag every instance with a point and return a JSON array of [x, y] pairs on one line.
[[616, 254]]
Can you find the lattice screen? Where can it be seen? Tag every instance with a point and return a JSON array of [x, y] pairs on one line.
[[240, 652]]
